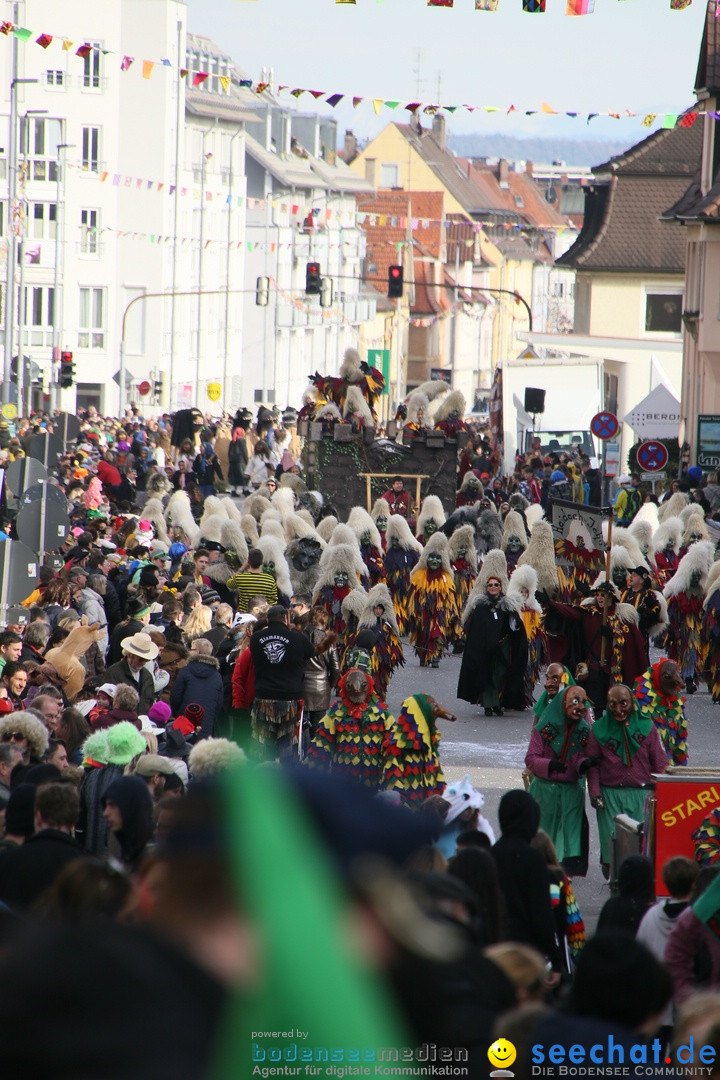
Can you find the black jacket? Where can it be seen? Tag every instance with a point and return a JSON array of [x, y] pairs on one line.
[[496, 644], [27, 871], [145, 685], [199, 683], [279, 656]]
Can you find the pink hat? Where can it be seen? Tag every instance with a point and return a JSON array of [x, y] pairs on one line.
[[160, 712]]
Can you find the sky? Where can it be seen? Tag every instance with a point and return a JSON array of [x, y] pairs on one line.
[[630, 54]]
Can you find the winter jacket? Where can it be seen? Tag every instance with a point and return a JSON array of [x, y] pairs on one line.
[[91, 604], [29, 870], [243, 681], [199, 683], [145, 685], [690, 939], [321, 674], [92, 828]]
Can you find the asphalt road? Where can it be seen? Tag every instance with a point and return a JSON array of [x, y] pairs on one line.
[[491, 751]]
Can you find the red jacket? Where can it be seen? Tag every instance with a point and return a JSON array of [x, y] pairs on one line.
[[108, 474], [243, 681]]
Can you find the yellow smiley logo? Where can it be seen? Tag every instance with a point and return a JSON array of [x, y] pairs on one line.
[[502, 1054]]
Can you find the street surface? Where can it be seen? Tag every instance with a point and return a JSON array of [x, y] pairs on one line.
[[491, 751]]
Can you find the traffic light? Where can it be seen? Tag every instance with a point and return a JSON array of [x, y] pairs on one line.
[[326, 292], [262, 291], [67, 370], [313, 285], [395, 282], [157, 389]]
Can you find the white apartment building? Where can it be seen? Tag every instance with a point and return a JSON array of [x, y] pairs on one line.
[[137, 187]]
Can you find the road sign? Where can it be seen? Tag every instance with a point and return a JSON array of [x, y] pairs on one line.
[[23, 473], [46, 448], [18, 572], [604, 425], [9, 411], [43, 525], [67, 427], [657, 416], [42, 490], [144, 388], [612, 458], [653, 476], [652, 456]]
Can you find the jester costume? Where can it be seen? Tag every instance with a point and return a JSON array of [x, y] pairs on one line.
[[463, 563], [711, 637], [330, 599], [412, 762], [387, 654], [523, 584], [584, 564], [372, 557], [685, 594], [401, 557], [557, 747], [667, 712], [350, 737], [432, 603]]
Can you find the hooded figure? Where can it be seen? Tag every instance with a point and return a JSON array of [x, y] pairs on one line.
[[178, 513], [685, 593], [665, 548], [350, 737], [523, 584], [464, 564], [624, 751], [343, 536], [626, 539], [412, 750], [674, 506], [540, 554], [303, 557], [352, 608], [514, 539], [488, 530], [403, 552], [694, 531], [432, 604], [338, 575], [356, 410], [368, 537], [275, 563], [380, 514], [378, 615], [418, 409], [471, 490], [522, 871], [659, 692], [105, 754], [431, 518], [449, 414], [555, 757], [642, 530], [130, 798], [492, 673]]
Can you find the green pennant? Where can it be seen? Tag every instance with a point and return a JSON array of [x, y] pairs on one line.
[[22, 34]]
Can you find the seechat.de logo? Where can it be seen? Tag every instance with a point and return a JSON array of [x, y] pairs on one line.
[[502, 1054]]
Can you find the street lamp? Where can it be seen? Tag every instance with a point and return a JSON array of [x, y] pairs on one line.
[[57, 314], [12, 199], [22, 305], [226, 395], [201, 253]]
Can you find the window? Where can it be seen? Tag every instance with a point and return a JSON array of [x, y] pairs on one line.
[[91, 149], [38, 315], [39, 141], [91, 326], [519, 201], [91, 79], [663, 313], [42, 219], [89, 232], [389, 176], [55, 78]]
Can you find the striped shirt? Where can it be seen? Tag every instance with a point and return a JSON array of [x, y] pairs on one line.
[[247, 584]]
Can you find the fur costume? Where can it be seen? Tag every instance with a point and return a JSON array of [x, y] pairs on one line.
[[581, 558], [343, 536], [432, 604], [350, 737], [412, 751], [418, 410], [153, 511], [25, 723], [370, 543], [387, 655], [449, 414], [691, 510], [470, 490], [210, 757], [356, 409], [514, 538], [326, 526], [624, 538], [433, 389], [274, 553], [250, 530], [711, 631], [540, 554], [158, 486], [684, 593], [273, 528], [674, 506], [665, 549], [296, 526], [462, 796], [213, 507], [211, 532], [641, 530], [403, 552], [232, 539], [494, 662], [303, 556], [666, 713], [488, 531], [695, 529], [531, 613], [352, 608], [430, 511], [341, 559], [283, 500], [328, 415], [65, 658], [256, 505], [178, 512], [464, 515], [380, 514], [463, 561], [647, 512]]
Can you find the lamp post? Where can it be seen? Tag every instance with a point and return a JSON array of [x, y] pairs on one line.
[[57, 274], [201, 253], [22, 388], [10, 291], [226, 395]]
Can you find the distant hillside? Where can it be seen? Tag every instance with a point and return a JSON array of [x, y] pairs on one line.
[[545, 151]]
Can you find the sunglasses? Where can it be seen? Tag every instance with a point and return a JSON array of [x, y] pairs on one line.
[[13, 736]]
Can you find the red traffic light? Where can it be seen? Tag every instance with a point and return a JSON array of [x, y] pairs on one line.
[[66, 357], [395, 282], [312, 279]]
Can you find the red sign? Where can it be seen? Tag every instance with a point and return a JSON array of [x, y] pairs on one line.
[[144, 388], [681, 806], [652, 456], [604, 425]]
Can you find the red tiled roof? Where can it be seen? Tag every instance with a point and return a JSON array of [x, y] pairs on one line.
[[382, 238]]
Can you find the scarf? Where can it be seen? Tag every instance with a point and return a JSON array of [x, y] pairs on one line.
[[623, 739], [543, 701], [554, 729]]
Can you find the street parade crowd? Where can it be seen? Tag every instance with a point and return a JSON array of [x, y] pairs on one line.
[[212, 823]]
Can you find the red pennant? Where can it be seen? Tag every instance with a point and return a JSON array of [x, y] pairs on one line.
[[688, 119], [199, 77], [44, 40], [84, 50]]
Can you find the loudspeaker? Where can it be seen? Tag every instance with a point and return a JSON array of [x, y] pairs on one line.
[[534, 400]]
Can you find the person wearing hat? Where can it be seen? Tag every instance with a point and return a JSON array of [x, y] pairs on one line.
[[137, 651], [199, 682], [153, 768], [628, 500], [136, 623], [649, 604]]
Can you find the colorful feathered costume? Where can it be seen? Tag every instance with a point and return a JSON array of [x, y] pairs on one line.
[[449, 414], [667, 712], [432, 602], [403, 552], [337, 577], [684, 594], [411, 751], [711, 632], [388, 654], [369, 539], [463, 561], [514, 538], [577, 550], [665, 547], [523, 584], [350, 737]]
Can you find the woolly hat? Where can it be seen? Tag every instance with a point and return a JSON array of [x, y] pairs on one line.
[[557, 476], [399, 529], [195, 713], [213, 756], [160, 712], [695, 474], [514, 526], [431, 510], [31, 727], [124, 742]]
